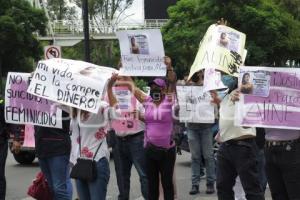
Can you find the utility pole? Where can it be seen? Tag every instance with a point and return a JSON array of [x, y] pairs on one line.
[[85, 14]]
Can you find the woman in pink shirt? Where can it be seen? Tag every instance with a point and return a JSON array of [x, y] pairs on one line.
[[158, 142]]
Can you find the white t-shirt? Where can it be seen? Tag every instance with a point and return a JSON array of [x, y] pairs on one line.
[[93, 130], [227, 128]]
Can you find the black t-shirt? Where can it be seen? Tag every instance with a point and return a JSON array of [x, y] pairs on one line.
[[51, 142], [3, 125]]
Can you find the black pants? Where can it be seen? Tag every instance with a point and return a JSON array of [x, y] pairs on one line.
[[283, 171], [160, 162], [3, 156], [238, 159]]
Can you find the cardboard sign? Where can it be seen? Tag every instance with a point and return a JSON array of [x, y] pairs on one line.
[[270, 97], [24, 108], [195, 105], [222, 48], [73, 83], [142, 53]]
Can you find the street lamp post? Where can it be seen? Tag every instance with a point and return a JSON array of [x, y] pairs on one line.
[[85, 13]]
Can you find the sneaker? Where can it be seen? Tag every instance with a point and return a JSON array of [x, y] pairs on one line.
[[210, 188], [194, 190]]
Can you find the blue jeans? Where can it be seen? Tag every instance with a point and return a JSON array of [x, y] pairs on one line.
[[132, 151], [201, 141], [56, 169], [97, 189]]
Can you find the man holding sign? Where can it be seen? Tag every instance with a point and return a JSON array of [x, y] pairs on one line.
[[130, 138]]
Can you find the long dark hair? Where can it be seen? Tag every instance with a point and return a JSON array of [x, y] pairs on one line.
[[244, 76]]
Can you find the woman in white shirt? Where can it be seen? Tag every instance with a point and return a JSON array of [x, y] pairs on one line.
[[89, 142]]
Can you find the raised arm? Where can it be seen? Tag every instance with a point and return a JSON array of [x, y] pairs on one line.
[[111, 97], [138, 93]]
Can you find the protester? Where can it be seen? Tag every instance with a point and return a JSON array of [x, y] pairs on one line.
[[282, 151], [237, 155], [89, 132], [129, 144], [160, 148], [53, 146], [3, 150], [200, 138], [282, 154]]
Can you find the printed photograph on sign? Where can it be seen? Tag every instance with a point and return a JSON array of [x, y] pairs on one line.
[[255, 83], [228, 39], [142, 53], [138, 44]]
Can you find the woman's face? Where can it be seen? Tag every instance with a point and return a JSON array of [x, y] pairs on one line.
[[223, 36], [156, 92], [247, 78], [132, 41]]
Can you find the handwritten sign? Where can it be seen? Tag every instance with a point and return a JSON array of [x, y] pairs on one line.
[[127, 122], [222, 48], [280, 108], [195, 105], [142, 53], [73, 83], [29, 136], [212, 80], [24, 108]]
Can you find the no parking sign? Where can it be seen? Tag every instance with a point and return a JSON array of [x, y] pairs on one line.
[[52, 52]]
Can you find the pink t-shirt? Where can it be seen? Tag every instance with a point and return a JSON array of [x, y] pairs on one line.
[[159, 123]]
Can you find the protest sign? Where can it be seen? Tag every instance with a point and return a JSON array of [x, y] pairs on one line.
[[73, 83], [212, 80], [195, 105], [272, 101], [29, 136], [127, 122], [24, 108], [142, 53], [222, 48]]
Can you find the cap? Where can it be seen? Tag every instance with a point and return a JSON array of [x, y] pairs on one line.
[[159, 82]]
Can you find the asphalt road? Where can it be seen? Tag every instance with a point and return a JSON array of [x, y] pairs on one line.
[[19, 177]]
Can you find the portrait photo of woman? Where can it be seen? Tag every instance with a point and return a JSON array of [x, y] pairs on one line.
[[246, 86], [134, 49], [223, 40]]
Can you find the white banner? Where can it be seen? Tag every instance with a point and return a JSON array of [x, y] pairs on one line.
[[73, 83], [142, 53], [195, 105], [24, 108]]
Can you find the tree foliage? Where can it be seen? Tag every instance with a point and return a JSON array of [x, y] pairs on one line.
[[273, 33], [18, 22], [60, 10]]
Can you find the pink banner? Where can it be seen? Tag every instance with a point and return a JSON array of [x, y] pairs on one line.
[[29, 136]]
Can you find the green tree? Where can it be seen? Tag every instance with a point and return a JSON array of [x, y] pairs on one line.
[[18, 23], [273, 34]]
